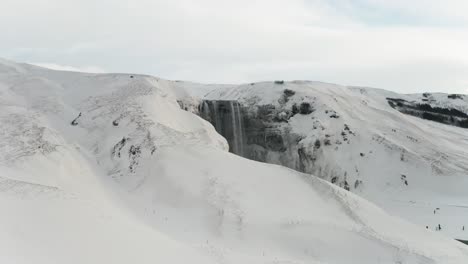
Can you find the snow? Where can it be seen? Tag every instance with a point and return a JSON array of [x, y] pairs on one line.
[[139, 180], [432, 156]]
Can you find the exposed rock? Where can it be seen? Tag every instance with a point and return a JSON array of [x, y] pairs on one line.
[[455, 96], [75, 121], [449, 116], [257, 132], [357, 183], [346, 185], [118, 147], [305, 108], [134, 154], [288, 93], [317, 144], [295, 109]]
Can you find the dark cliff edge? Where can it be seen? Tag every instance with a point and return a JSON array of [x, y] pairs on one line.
[[252, 132], [448, 116]]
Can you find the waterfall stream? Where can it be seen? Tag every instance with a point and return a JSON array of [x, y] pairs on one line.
[[228, 120]]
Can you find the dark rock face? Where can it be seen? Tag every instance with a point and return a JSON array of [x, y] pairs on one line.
[[455, 96], [228, 119], [288, 93], [447, 116], [305, 109], [263, 133], [256, 132]]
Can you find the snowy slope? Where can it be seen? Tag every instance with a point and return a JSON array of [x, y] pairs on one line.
[[106, 168], [355, 139]]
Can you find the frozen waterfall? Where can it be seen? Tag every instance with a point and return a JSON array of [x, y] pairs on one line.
[[227, 118]]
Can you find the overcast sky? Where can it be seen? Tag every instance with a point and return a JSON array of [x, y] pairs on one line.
[[401, 45]]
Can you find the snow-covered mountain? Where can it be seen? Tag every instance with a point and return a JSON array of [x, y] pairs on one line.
[[407, 153], [107, 168]]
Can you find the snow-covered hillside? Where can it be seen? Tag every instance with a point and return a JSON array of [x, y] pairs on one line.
[[107, 168], [361, 140]]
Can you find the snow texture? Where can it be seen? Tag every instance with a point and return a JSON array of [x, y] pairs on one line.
[[107, 168]]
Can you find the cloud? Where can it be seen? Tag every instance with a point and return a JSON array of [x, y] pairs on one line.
[[430, 11], [388, 44]]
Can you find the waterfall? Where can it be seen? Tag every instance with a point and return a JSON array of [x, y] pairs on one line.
[[235, 138], [254, 133], [227, 118], [237, 128], [240, 130]]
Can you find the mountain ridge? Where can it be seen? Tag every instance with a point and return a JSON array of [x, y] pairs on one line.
[[99, 168]]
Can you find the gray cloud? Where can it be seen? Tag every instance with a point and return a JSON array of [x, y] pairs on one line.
[[243, 41]]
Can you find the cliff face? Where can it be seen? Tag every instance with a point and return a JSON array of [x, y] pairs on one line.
[[228, 118], [449, 115], [301, 132], [360, 139], [261, 132], [345, 135]]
